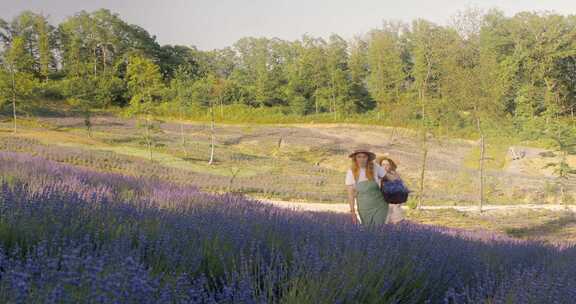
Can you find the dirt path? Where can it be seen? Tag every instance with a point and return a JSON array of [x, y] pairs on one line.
[[341, 208]]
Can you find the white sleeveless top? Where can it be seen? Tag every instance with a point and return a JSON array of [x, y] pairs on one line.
[[379, 173]]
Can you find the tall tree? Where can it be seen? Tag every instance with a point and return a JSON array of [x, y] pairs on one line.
[[462, 82], [17, 83], [45, 57], [145, 85], [258, 69], [338, 87], [206, 92], [426, 74], [181, 86], [358, 66], [387, 75], [543, 52]]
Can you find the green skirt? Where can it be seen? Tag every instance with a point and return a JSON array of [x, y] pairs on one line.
[[371, 205]]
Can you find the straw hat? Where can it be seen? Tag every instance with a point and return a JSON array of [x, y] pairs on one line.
[[384, 157], [371, 155], [381, 158]]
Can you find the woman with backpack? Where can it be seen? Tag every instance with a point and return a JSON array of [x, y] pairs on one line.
[[393, 189], [363, 184]]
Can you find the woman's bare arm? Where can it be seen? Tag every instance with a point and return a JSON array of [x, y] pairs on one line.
[[351, 201]]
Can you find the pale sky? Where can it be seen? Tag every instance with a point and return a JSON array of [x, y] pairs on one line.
[[219, 23]]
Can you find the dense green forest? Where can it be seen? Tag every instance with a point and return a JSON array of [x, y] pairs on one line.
[[484, 69]]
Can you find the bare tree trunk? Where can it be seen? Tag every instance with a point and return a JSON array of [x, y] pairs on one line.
[[316, 104], [393, 134], [422, 175], [563, 196], [333, 96], [104, 57], [422, 97], [562, 185], [88, 122], [148, 137], [212, 134], [95, 62], [481, 166], [183, 139], [221, 106], [424, 152], [422, 164], [12, 72], [234, 172]]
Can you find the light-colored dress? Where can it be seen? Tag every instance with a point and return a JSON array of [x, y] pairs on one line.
[[395, 212], [371, 207]]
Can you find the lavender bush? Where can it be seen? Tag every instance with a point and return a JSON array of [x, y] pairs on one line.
[[318, 185], [72, 235]]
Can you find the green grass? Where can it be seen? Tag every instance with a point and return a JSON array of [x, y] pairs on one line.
[[494, 154], [161, 156]]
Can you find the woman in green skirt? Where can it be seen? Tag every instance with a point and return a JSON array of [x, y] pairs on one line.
[[363, 183]]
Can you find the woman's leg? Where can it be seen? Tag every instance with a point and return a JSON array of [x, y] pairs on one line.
[[395, 214]]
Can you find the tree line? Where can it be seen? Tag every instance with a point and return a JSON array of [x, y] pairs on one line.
[[485, 65]]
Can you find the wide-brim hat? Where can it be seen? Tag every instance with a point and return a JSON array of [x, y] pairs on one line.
[[381, 158], [371, 155], [384, 157]]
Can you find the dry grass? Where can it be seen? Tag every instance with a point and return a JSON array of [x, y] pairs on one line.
[[543, 225]]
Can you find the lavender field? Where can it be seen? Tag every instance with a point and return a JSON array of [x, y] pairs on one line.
[[222, 152], [70, 235]]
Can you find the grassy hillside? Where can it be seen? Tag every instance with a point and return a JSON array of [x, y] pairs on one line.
[[304, 162]]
